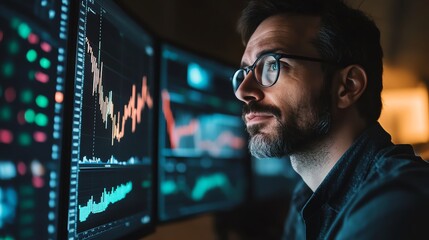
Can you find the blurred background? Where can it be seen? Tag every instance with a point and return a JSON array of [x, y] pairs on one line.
[[209, 27]]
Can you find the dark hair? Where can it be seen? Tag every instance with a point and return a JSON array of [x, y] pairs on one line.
[[346, 36]]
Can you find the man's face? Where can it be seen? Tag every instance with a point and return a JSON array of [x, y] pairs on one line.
[[293, 114]]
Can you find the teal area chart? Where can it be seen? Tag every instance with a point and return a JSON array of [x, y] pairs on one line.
[[107, 197], [196, 185], [203, 185], [105, 194]]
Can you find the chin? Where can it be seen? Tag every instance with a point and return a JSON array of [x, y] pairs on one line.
[[262, 145], [260, 128]]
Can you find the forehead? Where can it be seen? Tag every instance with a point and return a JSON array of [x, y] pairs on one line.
[[289, 34]]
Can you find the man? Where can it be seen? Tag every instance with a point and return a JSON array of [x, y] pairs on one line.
[[310, 81]]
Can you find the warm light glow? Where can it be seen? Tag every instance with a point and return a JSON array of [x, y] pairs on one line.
[[397, 77], [405, 114], [59, 97]]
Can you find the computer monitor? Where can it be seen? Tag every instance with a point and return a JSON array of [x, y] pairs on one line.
[[112, 146], [203, 160], [33, 46]]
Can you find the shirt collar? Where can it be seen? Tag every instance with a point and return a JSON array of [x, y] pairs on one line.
[[346, 176]]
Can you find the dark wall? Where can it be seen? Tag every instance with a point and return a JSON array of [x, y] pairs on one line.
[[209, 27], [205, 26]]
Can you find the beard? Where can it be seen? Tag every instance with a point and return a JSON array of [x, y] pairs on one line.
[[304, 127]]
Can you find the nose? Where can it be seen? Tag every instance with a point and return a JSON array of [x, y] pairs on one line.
[[249, 90]]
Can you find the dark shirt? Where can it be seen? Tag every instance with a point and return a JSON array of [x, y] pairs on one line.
[[376, 190]]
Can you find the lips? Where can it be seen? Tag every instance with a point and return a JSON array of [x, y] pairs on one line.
[[257, 117]]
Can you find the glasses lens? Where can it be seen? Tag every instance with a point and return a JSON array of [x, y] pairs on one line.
[[238, 78], [267, 70]]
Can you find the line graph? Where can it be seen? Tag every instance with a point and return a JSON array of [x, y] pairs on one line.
[[176, 133], [224, 140], [111, 160], [107, 198], [132, 110], [208, 132]]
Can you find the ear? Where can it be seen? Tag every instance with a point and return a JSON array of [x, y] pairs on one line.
[[351, 85]]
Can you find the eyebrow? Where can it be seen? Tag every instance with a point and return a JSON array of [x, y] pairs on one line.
[[259, 54]]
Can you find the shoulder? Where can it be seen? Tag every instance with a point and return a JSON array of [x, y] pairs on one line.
[[393, 204], [397, 166], [390, 214]]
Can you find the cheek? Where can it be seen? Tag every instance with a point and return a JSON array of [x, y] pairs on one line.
[[282, 97], [297, 97], [297, 87], [301, 107]]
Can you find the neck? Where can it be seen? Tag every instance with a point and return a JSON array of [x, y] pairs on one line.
[[314, 164]]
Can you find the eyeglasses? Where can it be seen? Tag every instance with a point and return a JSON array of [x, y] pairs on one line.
[[266, 69]]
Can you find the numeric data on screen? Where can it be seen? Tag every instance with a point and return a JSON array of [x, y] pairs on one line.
[[33, 46]]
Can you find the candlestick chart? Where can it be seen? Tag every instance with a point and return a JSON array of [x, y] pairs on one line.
[[115, 114], [132, 110]]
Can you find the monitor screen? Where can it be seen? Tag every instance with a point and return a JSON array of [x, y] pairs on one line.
[[111, 170], [202, 143], [272, 178], [33, 40]]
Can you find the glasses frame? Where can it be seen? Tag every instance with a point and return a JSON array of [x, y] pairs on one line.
[[277, 56]]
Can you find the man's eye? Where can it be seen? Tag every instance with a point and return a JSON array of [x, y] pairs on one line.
[[271, 66]]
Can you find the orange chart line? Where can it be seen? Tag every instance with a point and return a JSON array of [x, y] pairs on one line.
[[225, 138], [133, 109]]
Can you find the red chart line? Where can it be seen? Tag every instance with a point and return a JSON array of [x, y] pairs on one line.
[[176, 133], [132, 110], [225, 138]]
